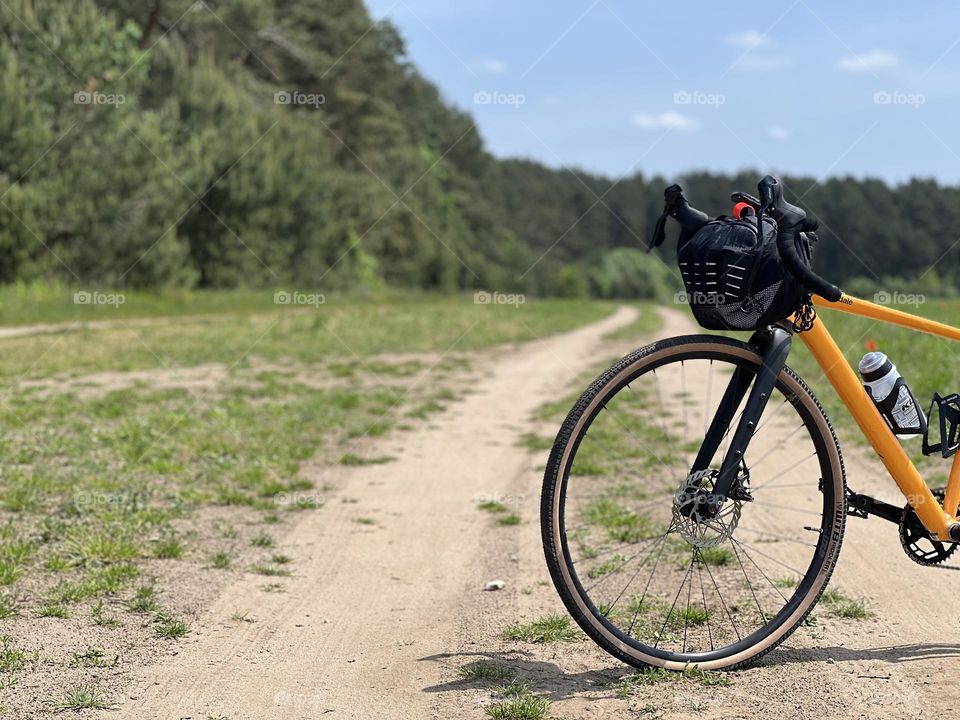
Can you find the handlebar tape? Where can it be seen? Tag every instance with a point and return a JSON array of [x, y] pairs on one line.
[[791, 221]]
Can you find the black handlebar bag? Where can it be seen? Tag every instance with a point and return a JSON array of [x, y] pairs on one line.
[[734, 278]]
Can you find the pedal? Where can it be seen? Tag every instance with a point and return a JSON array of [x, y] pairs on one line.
[[948, 411]]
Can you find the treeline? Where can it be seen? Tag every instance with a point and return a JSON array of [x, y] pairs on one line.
[[291, 142]]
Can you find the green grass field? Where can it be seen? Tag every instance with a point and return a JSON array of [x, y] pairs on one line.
[[115, 437]]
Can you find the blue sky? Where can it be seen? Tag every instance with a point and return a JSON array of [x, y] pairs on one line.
[[615, 86]]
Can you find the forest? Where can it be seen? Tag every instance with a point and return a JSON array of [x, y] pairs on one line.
[[267, 143]]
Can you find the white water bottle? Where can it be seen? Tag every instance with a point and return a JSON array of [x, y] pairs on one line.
[[892, 396]]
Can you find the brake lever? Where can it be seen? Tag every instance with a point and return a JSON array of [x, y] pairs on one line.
[[769, 190]]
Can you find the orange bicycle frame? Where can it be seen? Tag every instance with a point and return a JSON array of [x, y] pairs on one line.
[[940, 520]]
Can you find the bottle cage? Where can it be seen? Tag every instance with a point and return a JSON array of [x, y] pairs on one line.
[[948, 408]]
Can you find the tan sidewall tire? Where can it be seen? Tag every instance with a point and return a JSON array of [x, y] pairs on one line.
[[558, 469]]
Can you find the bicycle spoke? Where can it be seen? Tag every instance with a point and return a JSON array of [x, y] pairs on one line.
[[776, 477], [749, 584], [634, 577], [781, 538], [673, 607], [723, 604], [626, 562], [778, 447], [703, 594], [769, 557], [646, 589], [706, 404]]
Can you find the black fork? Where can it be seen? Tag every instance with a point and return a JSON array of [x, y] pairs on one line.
[[773, 344]]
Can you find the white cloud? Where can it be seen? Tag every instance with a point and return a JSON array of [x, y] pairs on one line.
[[664, 121], [746, 40], [778, 133], [868, 62], [490, 66]]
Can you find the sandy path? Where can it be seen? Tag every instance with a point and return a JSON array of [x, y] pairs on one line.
[[379, 618], [368, 601]]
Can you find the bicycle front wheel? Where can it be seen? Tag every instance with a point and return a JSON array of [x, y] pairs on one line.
[[650, 582]]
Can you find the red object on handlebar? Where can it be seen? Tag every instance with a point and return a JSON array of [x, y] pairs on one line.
[[742, 210]]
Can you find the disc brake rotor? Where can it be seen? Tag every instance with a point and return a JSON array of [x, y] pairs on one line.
[[698, 528]]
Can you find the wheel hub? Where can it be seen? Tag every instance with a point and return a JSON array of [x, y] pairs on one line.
[[695, 516]]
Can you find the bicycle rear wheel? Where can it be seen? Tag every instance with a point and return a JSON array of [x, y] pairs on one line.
[[650, 583]]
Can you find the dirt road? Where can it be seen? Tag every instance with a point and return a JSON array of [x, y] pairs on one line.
[[386, 603]]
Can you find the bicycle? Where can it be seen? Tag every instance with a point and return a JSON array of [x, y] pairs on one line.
[[669, 549]]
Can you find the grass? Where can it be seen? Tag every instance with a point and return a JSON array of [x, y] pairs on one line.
[[548, 629], [263, 540], [622, 525], [54, 610], [492, 506], [220, 560], [486, 671], [270, 570], [511, 519], [356, 460], [81, 697], [169, 548], [144, 600], [716, 556], [643, 327], [8, 606], [12, 658], [611, 565], [840, 606], [93, 657], [518, 703], [535, 443], [170, 627], [655, 676], [101, 618]]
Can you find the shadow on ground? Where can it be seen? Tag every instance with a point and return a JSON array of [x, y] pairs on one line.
[[549, 679], [889, 654]]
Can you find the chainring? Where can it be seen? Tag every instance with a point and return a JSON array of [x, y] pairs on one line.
[[916, 540]]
